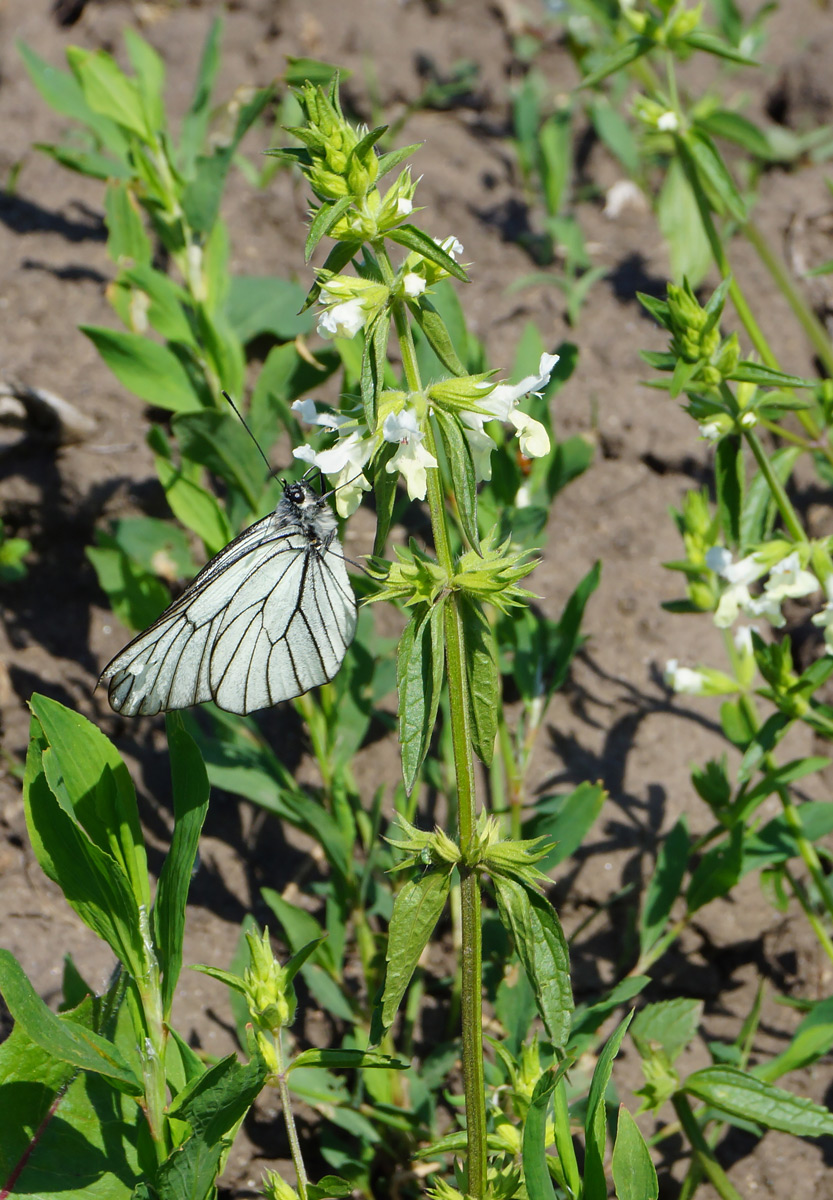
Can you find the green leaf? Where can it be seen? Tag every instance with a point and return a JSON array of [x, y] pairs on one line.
[[62, 92], [167, 305], [483, 690], [712, 171], [127, 236], [752, 372], [664, 884], [735, 128], [777, 842], [387, 162], [86, 162], [634, 1174], [195, 122], [190, 796], [461, 466], [812, 1039], [214, 1105], [136, 596], [572, 457], [108, 91], [630, 52], [220, 443], [240, 762], [419, 676], [701, 39], [419, 241], [595, 1125], [436, 334], [374, 360], [98, 788], [416, 910], [384, 494], [739, 1096], [52, 1113], [566, 820], [759, 509], [152, 372], [682, 227], [258, 304], [717, 872], [93, 882], [616, 133], [668, 1025], [328, 214], [201, 197], [195, 507], [62, 1038], [728, 469], [150, 78], [541, 946], [588, 1018], [342, 1059], [535, 1140]]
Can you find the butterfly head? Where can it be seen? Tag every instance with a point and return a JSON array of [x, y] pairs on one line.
[[302, 504]]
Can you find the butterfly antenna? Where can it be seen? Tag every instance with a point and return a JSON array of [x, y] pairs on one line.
[[242, 421]]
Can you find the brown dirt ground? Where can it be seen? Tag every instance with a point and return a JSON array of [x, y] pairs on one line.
[[615, 721]]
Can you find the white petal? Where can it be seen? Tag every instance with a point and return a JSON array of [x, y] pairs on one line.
[[532, 435]]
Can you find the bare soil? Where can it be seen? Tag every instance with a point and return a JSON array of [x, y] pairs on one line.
[[615, 721]]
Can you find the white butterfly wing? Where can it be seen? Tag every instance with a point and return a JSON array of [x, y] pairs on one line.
[[268, 618]]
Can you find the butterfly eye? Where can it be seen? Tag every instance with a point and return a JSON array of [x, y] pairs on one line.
[[295, 494]]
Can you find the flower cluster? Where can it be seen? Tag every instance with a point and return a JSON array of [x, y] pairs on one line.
[[787, 580], [402, 420]]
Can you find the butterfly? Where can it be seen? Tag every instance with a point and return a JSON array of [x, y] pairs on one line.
[[266, 619]]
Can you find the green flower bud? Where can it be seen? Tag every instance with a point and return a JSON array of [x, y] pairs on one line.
[[265, 980], [275, 1188]]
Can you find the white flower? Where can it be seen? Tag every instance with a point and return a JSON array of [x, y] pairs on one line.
[[787, 579], [413, 284], [748, 420], [481, 446], [532, 435], [411, 459], [824, 620], [308, 413], [503, 398], [683, 679], [735, 598], [710, 430], [743, 638], [343, 320], [342, 464], [765, 606], [668, 122], [745, 570], [500, 405], [451, 246], [404, 206]]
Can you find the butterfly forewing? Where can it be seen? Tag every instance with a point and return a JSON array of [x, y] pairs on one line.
[[268, 618]]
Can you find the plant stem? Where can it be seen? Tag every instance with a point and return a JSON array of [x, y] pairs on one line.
[[471, 989], [289, 1120], [812, 917], [703, 1153], [471, 1001], [779, 495], [155, 1041], [805, 316]]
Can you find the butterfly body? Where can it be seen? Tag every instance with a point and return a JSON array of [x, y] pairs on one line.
[[268, 618]]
